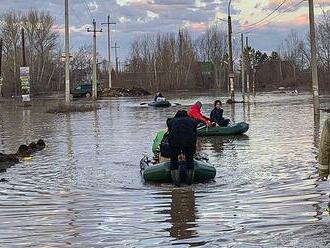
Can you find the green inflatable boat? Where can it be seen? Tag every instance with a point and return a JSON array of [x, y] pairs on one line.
[[160, 173], [238, 128], [163, 104]]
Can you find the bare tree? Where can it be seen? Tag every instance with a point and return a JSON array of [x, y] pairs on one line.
[[323, 38], [10, 30], [293, 49], [81, 66], [212, 47], [41, 43], [42, 49], [162, 61]]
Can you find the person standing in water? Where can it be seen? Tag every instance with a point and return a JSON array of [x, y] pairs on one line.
[[324, 153], [182, 138]]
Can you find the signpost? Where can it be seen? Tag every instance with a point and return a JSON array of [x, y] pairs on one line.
[[25, 83]]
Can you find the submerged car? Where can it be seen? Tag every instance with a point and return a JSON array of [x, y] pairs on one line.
[[85, 90]]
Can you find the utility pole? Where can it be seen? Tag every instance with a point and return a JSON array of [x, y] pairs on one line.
[[155, 71], [116, 47], [243, 67], [1, 94], [109, 47], [23, 49], [94, 84], [230, 48], [248, 68], [67, 54], [254, 72], [315, 82]]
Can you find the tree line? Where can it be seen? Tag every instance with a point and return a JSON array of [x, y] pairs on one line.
[[170, 61], [163, 61], [43, 52]]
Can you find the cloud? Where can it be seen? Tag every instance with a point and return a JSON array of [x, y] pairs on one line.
[[195, 26], [92, 6], [73, 29], [149, 17], [124, 19], [136, 17], [131, 2], [301, 20], [200, 4]]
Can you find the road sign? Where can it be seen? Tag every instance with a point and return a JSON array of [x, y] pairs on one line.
[[24, 73], [63, 57]]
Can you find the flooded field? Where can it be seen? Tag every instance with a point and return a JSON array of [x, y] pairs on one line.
[[85, 188]]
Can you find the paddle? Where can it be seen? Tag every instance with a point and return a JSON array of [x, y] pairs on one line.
[[231, 123], [174, 104], [201, 127]]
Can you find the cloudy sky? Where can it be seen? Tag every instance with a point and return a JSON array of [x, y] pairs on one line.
[[138, 17]]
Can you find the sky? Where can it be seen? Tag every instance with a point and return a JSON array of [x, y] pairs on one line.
[[138, 17]]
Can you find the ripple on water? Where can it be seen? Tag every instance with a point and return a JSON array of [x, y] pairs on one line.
[[85, 189]]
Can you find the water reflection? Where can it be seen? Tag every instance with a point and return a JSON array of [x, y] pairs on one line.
[[70, 152], [2, 138], [97, 132], [26, 126], [183, 214], [317, 130], [232, 112], [85, 188], [244, 112], [217, 143]]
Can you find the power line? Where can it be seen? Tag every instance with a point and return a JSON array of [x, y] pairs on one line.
[[75, 14], [88, 10], [277, 8], [270, 20]]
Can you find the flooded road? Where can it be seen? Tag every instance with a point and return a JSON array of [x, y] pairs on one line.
[[85, 188]]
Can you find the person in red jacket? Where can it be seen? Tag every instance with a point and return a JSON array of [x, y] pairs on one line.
[[195, 113]]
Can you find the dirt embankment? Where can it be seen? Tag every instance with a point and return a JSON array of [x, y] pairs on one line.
[[118, 92]]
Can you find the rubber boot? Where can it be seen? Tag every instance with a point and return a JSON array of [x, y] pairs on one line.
[[189, 176], [175, 174]]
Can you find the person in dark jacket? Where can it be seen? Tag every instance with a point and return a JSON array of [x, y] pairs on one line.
[[182, 139], [158, 94], [217, 115]]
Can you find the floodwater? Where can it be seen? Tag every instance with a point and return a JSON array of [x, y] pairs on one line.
[[85, 188]]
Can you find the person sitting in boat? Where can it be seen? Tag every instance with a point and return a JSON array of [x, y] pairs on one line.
[[182, 138], [160, 145], [159, 97], [157, 141], [217, 115], [195, 113]]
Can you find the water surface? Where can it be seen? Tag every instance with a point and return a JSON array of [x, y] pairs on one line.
[[85, 189]]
